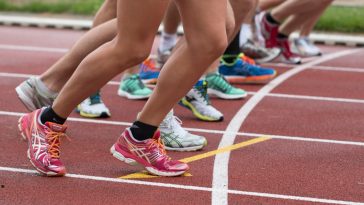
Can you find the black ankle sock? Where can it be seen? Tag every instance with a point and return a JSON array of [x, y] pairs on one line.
[[48, 115], [142, 131], [233, 50], [271, 20], [282, 36]]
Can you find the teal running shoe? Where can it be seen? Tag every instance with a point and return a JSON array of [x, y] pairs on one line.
[[133, 88], [218, 86]]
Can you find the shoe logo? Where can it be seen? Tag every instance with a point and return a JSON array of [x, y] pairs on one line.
[[57, 128]]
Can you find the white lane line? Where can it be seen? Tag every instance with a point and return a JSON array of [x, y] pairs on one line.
[[307, 97], [318, 67], [193, 188], [343, 69], [209, 131], [64, 50], [221, 163], [33, 48], [279, 95]]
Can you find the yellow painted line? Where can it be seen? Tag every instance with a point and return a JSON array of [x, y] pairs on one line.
[[145, 174], [225, 149]]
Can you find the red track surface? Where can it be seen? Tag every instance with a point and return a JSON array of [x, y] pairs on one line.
[[276, 171]]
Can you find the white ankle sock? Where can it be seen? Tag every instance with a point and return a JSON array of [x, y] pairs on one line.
[[168, 41]]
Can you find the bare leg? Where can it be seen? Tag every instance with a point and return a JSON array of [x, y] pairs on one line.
[[313, 12], [172, 19], [116, 56], [294, 7], [309, 24], [58, 74], [191, 59], [105, 13]]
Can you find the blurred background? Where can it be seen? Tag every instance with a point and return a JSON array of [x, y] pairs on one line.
[[343, 16]]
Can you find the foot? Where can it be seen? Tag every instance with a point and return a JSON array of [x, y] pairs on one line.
[[269, 32], [218, 86], [31, 95], [287, 56], [163, 56], [175, 138], [258, 53], [133, 88], [148, 72], [93, 107], [304, 47], [198, 102], [149, 153], [43, 143], [243, 72]]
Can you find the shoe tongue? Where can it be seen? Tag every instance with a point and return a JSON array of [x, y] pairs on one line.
[[199, 83], [56, 127], [157, 135]]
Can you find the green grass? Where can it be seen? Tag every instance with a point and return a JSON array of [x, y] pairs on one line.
[[83, 7], [342, 19], [336, 18]]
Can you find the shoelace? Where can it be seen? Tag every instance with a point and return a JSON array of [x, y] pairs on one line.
[[247, 59], [53, 139], [202, 92], [95, 98], [135, 83], [159, 144], [221, 81]]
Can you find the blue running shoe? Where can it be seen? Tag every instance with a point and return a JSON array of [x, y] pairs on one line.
[[243, 72], [148, 72]]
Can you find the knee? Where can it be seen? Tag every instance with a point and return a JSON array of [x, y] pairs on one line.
[[210, 46], [128, 55]]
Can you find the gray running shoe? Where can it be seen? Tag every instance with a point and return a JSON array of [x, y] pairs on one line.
[[31, 96]]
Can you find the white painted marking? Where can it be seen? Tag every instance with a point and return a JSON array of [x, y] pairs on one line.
[[306, 97], [243, 134], [33, 48], [342, 69], [193, 188], [221, 163], [318, 67], [279, 95]]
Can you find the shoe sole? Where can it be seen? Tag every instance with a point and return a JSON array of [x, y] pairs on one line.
[[269, 58], [225, 96], [133, 162], [89, 115], [189, 106], [283, 60], [122, 93], [185, 149], [151, 81], [251, 80]]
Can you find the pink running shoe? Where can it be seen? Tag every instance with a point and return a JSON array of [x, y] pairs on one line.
[[149, 153], [43, 143], [269, 32]]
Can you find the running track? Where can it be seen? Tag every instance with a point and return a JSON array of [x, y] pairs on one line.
[[297, 140]]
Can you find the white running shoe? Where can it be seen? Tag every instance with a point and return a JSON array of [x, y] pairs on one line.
[[198, 102], [175, 138], [31, 95], [304, 47], [93, 107]]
